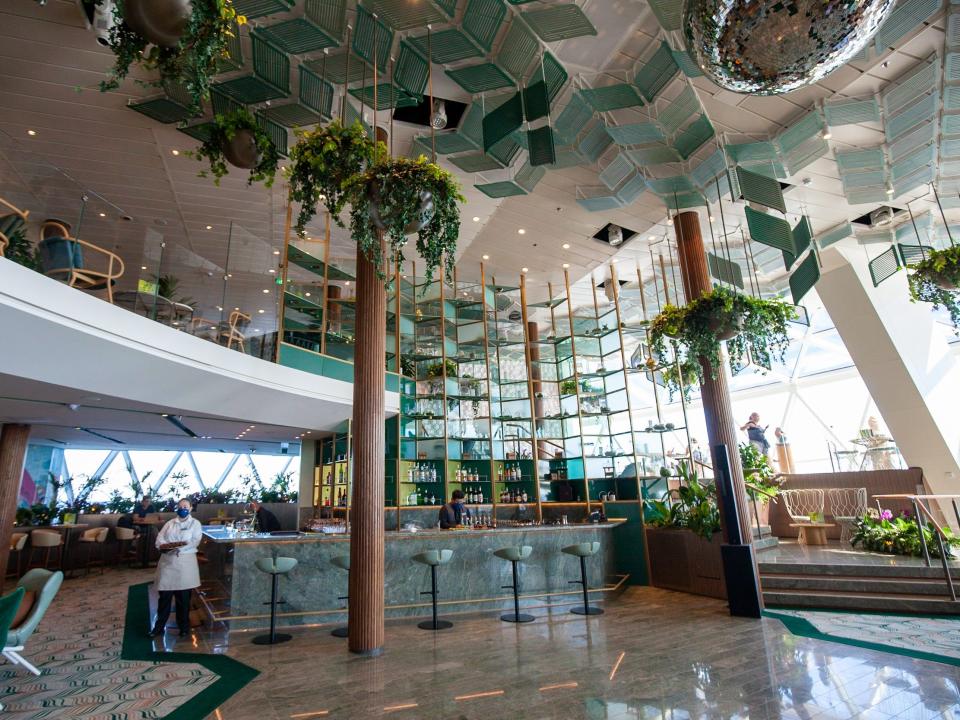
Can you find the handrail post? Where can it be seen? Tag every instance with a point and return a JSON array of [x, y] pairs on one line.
[[920, 524], [946, 567], [956, 511]]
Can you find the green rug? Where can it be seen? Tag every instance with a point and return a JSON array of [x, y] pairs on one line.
[[232, 674]]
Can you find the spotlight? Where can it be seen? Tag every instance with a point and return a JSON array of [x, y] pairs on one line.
[[614, 235], [438, 120]]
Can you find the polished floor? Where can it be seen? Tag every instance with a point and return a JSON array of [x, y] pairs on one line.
[[654, 654], [837, 553]]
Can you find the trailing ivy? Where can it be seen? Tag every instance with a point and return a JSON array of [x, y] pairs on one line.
[[192, 62], [224, 129], [927, 282], [760, 326]]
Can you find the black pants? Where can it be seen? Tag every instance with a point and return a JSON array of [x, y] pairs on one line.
[[183, 609]]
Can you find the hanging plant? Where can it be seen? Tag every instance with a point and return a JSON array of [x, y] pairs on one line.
[[680, 380], [936, 278], [322, 162], [401, 196], [742, 321], [236, 138], [187, 39]]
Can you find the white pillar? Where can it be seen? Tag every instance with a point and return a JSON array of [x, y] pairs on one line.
[[904, 359], [308, 461]]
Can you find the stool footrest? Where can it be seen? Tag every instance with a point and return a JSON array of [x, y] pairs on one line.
[[427, 592], [343, 597], [506, 587], [575, 582]]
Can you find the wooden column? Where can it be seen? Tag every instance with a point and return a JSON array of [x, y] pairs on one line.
[[13, 452], [367, 532], [721, 427]]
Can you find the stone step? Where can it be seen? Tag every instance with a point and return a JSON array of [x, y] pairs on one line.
[[767, 541], [856, 585], [891, 603], [856, 570], [766, 531]]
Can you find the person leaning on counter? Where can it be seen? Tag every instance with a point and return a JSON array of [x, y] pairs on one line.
[[454, 512]]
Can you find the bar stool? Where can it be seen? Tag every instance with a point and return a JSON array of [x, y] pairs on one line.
[[515, 554], [18, 541], [342, 562], [583, 551], [46, 540], [275, 567], [433, 558], [125, 538], [93, 540]]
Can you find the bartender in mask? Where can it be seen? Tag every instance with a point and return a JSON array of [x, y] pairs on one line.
[[454, 513]]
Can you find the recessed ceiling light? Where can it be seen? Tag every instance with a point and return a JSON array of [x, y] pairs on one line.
[[175, 152], [476, 219], [348, 283], [31, 132], [615, 260], [103, 214], [306, 294], [827, 134], [260, 311], [236, 308], [265, 291], [566, 246], [271, 270], [524, 270], [885, 64], [521, 231], [143, 267], [276, 252], [209, 227], [486, 257], [566, 265], [651, 237], [889, 191], [711, 218], [219, 309]]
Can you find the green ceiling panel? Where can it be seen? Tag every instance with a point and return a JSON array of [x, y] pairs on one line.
[[631, 189], [922, 157], [448, 6], [412, 70], [199, 132], [536, 104], [372, 38], [922, 110], [500, 189], [688, 66], [612, 97], [724, 270], [517, 51], [802, 236], [297, 36], [471, 125], [598, 200], [387, 96], [921, 135], [911, 182], [553, 73], [594, 143], [866, 178], [163, 110], [951, 98], [883, 266], [223, 104], [234, 59], [869, 159], [559, 22], [572, 119], [835, 234], [752, 152], [804, 277], [528, 176], [406, 15], [694, 136], [261, 8], [760, 189], [681, 200], [669, 13], [447, 143], [541, 149], [670, 185], [334, 68], [769, 230], [950, 148], [500, 122], [447, 46], [799, 158], [270, 64], [656, 73], [291, 115], [328, 15], [249, 90], [654, 155], [852, 112], [617, 171], [811, 125], [480, 78], [704, 173], [482, 20], [678, 112], [276, 132], [912, 254], [475, 162], [635, 134], [903, 20], [505, 151], [919, 80]]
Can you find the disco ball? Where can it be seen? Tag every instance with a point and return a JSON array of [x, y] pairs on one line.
[[768, 47]]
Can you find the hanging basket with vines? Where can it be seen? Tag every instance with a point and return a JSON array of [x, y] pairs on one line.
[[322, 162], [936, 279], [679, 377], [237, 139], [182, 40], [697, 329]]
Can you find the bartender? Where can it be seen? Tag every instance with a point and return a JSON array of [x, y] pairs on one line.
[[266, 520], [454, 512]]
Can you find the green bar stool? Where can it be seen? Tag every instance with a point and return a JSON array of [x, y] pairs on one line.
[[275, 567], [515, 554], [433, 558], [342, 562], [583, 551]]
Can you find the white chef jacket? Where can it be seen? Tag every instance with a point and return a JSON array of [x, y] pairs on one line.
[[178, 569]]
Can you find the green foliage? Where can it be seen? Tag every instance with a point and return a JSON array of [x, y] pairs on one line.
[[42, 514], [680, 377], [898, 536], [761, 326], [397, 184], [759, 476], [938, 268], [408, 367], [568, 387], [435, 370], [117, 503], [692, 506], [279, 490], [21, 251], [81, 494], [24, 516], [322, 162], [225, 127], [192, 62], [168, 287]]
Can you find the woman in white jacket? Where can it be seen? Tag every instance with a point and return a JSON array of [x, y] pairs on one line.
[[177, 572]]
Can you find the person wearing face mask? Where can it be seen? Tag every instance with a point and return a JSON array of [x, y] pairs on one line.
[[454, 512], [177, 572]]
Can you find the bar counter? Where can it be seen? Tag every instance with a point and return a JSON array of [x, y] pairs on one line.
[[471, 581]]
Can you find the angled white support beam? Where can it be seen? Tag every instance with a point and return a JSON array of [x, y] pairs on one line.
[[166, 473], [226, 471], [196, 470]]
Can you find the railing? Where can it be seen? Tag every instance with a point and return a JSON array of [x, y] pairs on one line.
[[921, 511]]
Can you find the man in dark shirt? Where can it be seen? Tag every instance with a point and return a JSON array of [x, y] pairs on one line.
[[454, 512], [144, 508], [266, 520]]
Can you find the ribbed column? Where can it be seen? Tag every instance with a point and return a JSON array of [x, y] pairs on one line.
[[366, 534], [13, 452], [721, 426]]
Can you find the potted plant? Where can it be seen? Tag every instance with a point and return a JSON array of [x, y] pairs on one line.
[[20, 249], [883, 532], [935, 280], [763, 484], [435, 370], [697, 329], [568, 387], [182, 40], [237, 138], [321, 163]]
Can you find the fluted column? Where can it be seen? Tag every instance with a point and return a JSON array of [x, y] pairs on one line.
[[367, 529], [721, 426], [13, 452]]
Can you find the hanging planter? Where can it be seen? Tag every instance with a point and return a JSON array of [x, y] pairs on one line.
[[182, 40], [680, 379], [322, 162], [236, 138], [401, 187], [935, 279], [697, 329]]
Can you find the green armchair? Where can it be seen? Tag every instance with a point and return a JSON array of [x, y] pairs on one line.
[[45, 584], [8, 610]]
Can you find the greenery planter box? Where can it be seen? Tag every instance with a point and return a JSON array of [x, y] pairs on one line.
[[681, 560]]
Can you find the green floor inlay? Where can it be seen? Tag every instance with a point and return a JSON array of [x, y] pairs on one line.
[[233, 675]]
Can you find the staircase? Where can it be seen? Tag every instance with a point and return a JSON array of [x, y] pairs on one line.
[[890, 588]]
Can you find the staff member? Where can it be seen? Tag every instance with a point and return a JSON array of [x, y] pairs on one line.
[[266, 520], [144, 508], [454, 512], [177, 572]]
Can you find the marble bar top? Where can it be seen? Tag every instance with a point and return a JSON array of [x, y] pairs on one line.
[[219, 534]]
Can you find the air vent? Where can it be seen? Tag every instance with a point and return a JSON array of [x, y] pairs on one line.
[[884, 216], [420, 114], [614, 235]]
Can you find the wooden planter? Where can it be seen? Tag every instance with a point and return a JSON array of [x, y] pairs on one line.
[[681, 560]]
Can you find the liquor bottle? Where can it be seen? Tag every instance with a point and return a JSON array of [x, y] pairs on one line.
[[500, 474], [433, 499], [480, 496], [519, 472], [523, 496], [410, 474]]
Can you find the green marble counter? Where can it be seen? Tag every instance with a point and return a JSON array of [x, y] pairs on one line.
[[471, 581]]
